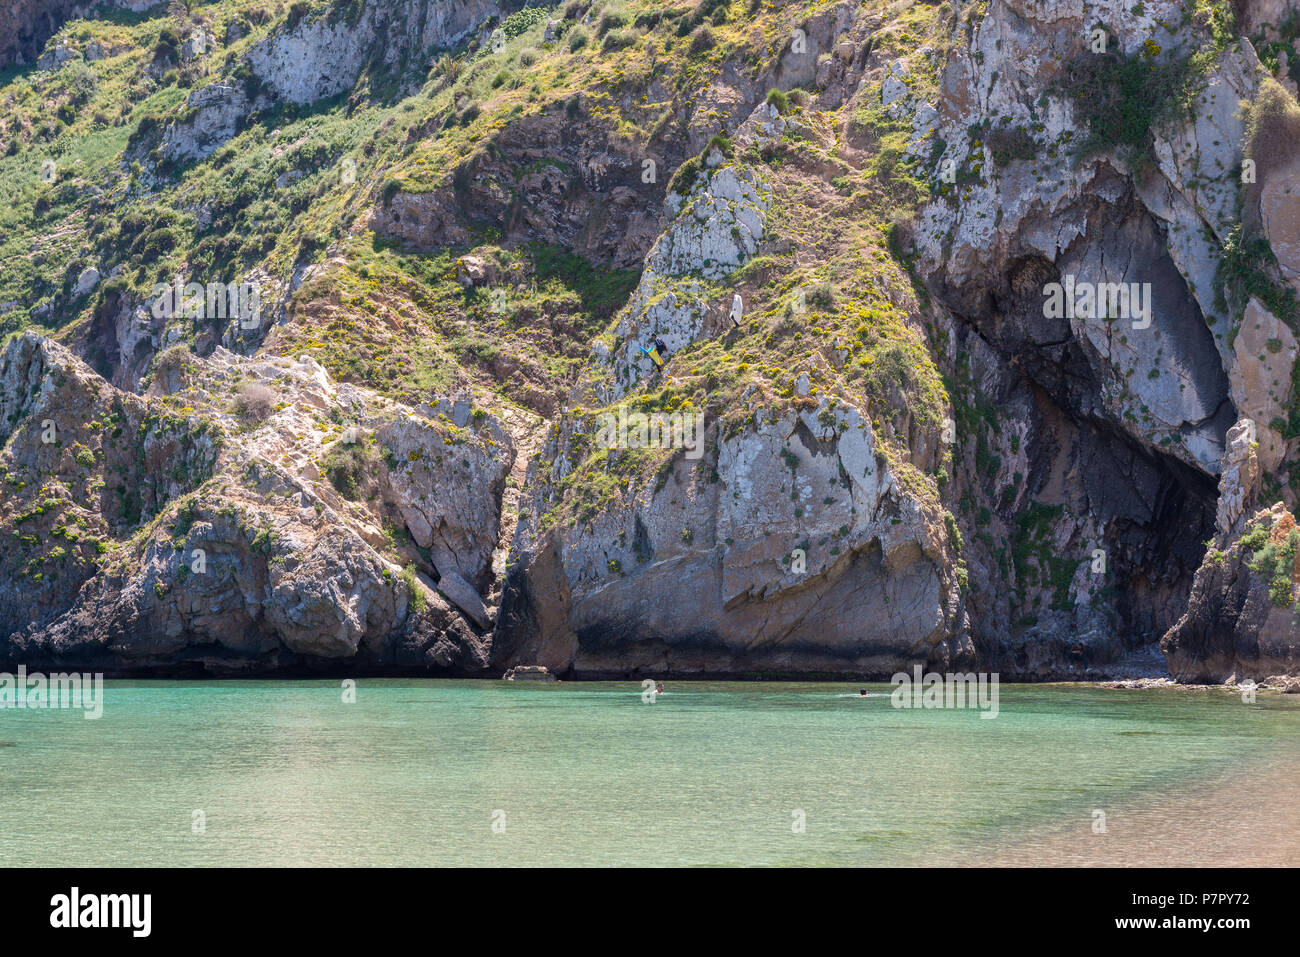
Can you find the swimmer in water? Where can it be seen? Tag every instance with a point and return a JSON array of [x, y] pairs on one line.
[[659, 688], [862, 692]]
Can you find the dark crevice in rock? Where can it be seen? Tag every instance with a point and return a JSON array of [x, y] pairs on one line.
[[25, 25], [1147, 503]]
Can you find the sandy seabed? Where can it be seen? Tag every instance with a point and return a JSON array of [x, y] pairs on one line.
[[1244, 819]]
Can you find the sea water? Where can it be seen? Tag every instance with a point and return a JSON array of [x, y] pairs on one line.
[[421, 772]]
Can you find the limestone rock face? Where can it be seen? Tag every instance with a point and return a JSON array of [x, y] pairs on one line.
[[894, 87], [712, 230], [1280, 211], [1027, 391], [1263, 16], [465, 597], [1239, 481], [217, 111], [1147, 396], [235, 535], [1195, 195], [55, 58], [318, 57], [792, 549], [1041, 220], [765, 125], [448, 492], [315, 59], [1265, 350], [82, 464], [196, 45]]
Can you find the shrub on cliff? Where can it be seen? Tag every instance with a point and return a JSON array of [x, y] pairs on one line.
[[347, 465], [298, 10], [417, 599], [778, 99], [702, 41], [254, 402], [684, 177], [1273, 561], [1120, 99], [1272, 131]]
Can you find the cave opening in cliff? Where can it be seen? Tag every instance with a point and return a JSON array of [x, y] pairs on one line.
[[1123, 420]]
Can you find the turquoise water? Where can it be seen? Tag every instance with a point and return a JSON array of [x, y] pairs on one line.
[[285, 773]]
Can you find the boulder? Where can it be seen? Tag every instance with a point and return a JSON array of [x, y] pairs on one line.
[[86, 282], [528, 673], [55, 58], [462, 594], [475, 271]]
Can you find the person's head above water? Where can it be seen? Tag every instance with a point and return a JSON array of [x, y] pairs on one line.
[[862, 692]]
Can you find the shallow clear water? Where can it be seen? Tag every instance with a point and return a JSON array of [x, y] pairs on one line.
[[587, 773]]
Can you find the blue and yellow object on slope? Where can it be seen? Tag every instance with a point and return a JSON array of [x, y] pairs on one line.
[[655, 357]]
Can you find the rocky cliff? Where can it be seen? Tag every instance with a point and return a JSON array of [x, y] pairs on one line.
[[237, 517], [332, 337]]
